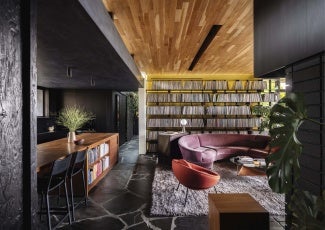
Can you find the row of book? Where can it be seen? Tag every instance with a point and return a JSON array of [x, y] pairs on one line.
[[249, 85], [229, 110], [163, 97], [218, 122], [166, 85], [174, 123], [152, 147], [198, 110], [97, 169], [209, 85], [234, 122], [195, 110], [237, 97], [216, 97], [99, 151], [162, 110], [152, 135]]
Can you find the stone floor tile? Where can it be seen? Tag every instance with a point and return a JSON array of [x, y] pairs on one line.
[[192, 223], [132, 218], [124, 203], [105, 222], [162, 223]]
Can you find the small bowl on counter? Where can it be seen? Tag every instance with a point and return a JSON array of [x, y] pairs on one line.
[[79, 141]]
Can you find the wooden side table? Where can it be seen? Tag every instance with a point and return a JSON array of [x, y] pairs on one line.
[[236, 211]]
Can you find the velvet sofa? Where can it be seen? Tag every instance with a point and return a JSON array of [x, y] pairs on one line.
[[204, 149]]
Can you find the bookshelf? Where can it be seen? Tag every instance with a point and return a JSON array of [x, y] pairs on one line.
[[209, 106], [102, 155]]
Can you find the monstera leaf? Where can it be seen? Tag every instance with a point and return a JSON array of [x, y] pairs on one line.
[[285, 118], [308, 210]]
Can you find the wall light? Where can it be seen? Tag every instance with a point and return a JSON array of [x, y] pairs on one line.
[[183, 124], [92, 81], [69, 72], [143, 74]]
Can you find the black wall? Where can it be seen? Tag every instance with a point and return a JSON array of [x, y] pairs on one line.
[[308, 77], [18, 196], [109, 107], [286, 31]]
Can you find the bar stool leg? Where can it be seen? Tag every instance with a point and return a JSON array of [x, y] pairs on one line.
[[72, 200], [67, 201], [48, 211], [186, 197], [85, 192], [178, 185]]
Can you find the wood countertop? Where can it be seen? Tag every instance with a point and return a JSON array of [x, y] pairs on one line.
[[50, 151]]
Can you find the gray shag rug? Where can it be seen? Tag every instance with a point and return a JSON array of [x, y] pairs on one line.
[[167, 201]]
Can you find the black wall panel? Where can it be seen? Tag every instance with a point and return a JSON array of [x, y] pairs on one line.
[[109, 108], [286, 31], [308, 77]]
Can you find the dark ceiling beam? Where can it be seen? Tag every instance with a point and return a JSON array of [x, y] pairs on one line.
[[208, 39], [96, 10]]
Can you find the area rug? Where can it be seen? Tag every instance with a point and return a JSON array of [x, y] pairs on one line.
[[167, 201]]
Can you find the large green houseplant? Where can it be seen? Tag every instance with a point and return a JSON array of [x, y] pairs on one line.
[[283, 168], [73, 118]]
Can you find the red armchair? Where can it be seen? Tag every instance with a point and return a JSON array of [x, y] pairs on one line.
[[193, 176]]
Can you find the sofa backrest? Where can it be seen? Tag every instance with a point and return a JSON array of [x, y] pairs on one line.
[[189, 141], [247, 140]]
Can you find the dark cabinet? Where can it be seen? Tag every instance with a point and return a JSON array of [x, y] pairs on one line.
[[286, 31]]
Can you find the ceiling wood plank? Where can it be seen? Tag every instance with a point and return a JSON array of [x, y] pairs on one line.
[[164, 35]]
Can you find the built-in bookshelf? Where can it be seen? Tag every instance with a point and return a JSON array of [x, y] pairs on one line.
[[101, 157], [209, 106]]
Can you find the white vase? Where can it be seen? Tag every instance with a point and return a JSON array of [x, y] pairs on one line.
[[71, 136]]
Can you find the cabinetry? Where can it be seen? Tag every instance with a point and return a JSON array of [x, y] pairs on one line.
[[102, 152], [216, 106], [102, 155]]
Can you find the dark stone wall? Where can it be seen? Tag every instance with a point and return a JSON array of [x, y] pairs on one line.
[[18, 196], [11, 183], [29, 110]]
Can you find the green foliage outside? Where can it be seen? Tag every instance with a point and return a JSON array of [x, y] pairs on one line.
[[133, 103], [264, 112]]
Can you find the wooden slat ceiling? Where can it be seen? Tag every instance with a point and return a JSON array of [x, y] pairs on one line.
[[164, 35]]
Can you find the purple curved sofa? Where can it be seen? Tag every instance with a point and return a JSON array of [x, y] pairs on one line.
[[204, 149]]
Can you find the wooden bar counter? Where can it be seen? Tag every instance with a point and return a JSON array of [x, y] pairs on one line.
[[98, 163]]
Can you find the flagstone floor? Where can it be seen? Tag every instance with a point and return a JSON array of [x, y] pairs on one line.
[[122, 199]]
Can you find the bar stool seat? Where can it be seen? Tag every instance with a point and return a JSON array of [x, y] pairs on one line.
[[77, 166], [48, 182]]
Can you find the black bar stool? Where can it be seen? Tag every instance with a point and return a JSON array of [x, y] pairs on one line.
[[50, 181], [77, 166]]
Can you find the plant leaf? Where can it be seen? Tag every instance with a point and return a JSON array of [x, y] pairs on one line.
[[285, 118], [308, 210]]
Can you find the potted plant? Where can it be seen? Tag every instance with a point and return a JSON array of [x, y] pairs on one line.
[[283, 169], [263, 112], [73, 118]]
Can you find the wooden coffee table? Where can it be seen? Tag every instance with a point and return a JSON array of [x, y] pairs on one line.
[[236, 211], [256, 167]]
